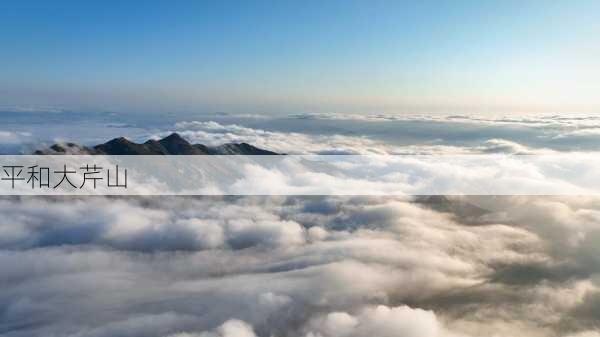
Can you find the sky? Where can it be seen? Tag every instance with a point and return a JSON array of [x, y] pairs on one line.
[[284, 56]]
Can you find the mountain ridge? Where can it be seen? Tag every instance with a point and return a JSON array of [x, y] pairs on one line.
[[172, 144]]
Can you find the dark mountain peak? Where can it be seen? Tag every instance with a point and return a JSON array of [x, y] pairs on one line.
[[175, 144], [172, 144], [123, 146], [174, 138], [119, 141]]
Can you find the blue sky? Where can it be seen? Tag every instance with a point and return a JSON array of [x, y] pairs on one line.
[[301, 56]]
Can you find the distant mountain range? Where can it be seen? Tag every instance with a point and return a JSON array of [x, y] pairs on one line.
[[173, 144]]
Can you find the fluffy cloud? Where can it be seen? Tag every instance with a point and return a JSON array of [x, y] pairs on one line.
[[382, 321], [299, 266], [231, 328], [132, 225], [586, 334], [214, 133]]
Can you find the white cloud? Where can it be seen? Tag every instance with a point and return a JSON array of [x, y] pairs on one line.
[[213, 133], [335, 266], [231, 328], [586, 334], [381, 321]]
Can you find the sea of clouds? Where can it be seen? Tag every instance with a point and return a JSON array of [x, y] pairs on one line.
[[312, 266], [389, 134], [300, 266], [23, 132]]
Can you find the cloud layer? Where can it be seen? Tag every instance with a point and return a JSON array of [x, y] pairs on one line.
[[299, 266], [313, 266], [505, 137]]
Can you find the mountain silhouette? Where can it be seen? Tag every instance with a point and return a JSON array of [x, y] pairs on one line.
[[173, 144]]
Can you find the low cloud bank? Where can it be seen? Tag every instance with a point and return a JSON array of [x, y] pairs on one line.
[[300, 266]]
